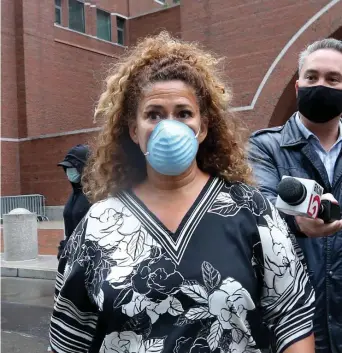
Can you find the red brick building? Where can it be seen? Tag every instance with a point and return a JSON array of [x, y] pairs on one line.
[[54, 57]]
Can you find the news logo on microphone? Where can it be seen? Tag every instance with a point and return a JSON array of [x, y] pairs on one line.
[[299, 197]]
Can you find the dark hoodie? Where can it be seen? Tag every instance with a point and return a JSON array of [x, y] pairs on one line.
[[77, 205]]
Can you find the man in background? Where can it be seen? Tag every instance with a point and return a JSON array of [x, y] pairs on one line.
[[309, 146], [77, 205]]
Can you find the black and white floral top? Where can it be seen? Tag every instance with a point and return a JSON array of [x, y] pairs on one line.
[[126, 284]]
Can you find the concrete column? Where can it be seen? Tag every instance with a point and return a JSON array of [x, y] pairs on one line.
[[20, 233], [65, 13], [114, 29], [90, 19], [93, 20]]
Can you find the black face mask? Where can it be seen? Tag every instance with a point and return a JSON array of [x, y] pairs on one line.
[[319, 104]]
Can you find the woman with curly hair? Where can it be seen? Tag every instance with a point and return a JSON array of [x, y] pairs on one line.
[[178, 253]]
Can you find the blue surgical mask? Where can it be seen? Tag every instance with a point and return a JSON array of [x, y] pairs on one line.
[[171, 148], [73, 175]]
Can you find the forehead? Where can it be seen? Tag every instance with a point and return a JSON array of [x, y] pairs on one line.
[[323, 60], [169, 90]]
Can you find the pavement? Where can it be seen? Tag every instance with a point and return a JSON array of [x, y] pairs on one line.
[[26, 306], [44, 267], [27, 290]]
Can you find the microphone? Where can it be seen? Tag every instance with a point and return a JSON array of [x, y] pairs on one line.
[[302, 197]]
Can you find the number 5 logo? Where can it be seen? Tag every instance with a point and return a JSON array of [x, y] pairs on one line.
[[314, 204]]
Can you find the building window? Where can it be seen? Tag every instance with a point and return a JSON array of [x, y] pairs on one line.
[[76, 16], [58, 12], [163, 2], [104, 28], [120, 24]]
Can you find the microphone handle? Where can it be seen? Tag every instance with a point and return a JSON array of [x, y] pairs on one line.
[[329, 211]]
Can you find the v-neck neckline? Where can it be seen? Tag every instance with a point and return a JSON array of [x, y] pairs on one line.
[[174, 235], [174, 242]]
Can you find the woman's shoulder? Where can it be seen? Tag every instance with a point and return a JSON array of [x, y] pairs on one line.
[[109, 202], [106, 217], [240, 189], [106, 209], [244, 196], [239, 185]]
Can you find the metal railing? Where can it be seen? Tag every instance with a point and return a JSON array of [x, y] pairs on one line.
[[34, 203]]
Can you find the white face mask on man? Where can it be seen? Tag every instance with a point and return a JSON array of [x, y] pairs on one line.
[[73, 175]]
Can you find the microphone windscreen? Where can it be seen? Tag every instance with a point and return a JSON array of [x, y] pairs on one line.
[[292, 191]]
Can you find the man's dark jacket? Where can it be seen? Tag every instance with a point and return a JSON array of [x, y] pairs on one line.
[[280, 151], [77, 205]]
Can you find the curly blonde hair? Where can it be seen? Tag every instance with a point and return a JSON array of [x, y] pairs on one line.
[[117, 163]]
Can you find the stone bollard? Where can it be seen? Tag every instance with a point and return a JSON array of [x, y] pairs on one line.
[[20, 234]]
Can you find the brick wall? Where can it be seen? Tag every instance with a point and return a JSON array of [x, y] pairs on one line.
[[10, 163], [52, 77], [137, 8], [118, 6], [131, 8], [251, 34], [153, 23], [63, 73], [39, 171], [9, 107], [10, 168]]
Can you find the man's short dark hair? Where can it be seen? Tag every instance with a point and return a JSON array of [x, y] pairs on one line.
[[328, 43]]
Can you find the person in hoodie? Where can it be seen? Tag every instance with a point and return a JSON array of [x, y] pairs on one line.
[[77, 205]]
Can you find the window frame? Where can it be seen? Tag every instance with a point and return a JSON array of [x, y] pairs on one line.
[[110, 24], [83, 14], [121, 29], [59, 8]]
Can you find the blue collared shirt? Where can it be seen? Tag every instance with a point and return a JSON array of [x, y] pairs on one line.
[[328, 158]]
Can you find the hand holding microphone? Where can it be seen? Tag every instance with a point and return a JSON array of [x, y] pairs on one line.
[[316, 214], [313, 228]]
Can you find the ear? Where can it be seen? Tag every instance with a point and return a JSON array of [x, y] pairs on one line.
[[203, 133], [296, 87], [133, 132]]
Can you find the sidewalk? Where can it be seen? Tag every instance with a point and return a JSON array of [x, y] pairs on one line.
[[44, 267], [49, 236]]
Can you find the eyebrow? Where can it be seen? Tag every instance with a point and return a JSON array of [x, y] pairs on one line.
[[158, 106], [310, 71], [334, 73]]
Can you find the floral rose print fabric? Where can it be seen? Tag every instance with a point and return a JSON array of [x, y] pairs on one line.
[[126, 284]]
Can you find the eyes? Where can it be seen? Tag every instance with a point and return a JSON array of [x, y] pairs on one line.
[[155, 115], [331, 79]]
